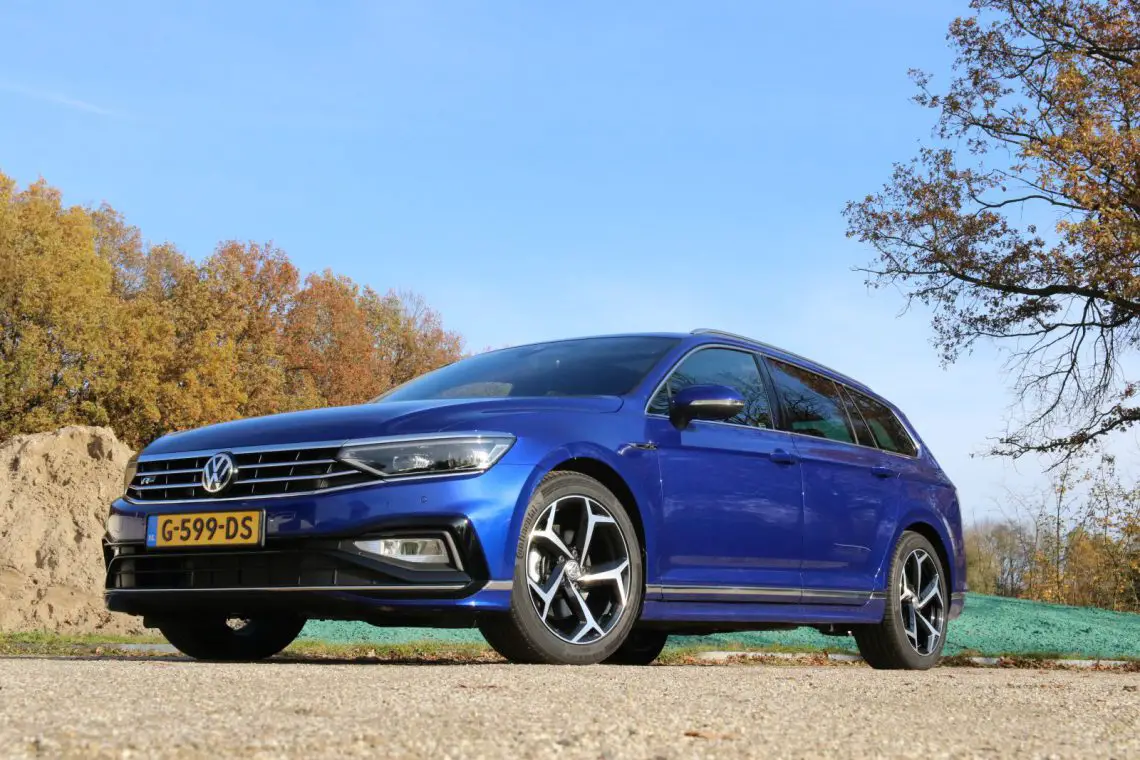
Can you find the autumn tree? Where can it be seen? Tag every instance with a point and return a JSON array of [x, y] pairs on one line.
[[408, 336], [97, 326], [1021, 221], [1075, 542], [349, 344], [136, 385], [329, 344], [251, 289], [55, 309]]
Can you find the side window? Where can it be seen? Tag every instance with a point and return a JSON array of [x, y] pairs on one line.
[[812, 402], [720, 366], [889, 433], [863, 434]]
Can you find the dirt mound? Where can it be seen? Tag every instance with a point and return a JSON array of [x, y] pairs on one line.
[[55, 489]]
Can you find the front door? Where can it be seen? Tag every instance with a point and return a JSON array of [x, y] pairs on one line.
[[732, 513]]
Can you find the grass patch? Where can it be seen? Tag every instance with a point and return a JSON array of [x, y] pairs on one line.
[[745, 647], [44, 643], [965, 654], [427, 652]]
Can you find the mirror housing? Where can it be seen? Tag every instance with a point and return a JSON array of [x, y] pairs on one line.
[[704, 402]]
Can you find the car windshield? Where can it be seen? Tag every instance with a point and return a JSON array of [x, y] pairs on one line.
[[585, 367]]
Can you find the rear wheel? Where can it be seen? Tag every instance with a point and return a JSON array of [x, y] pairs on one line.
[[913, 630], [641, 647], [578, 577], [232, 639]]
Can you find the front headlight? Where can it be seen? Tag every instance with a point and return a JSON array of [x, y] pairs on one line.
[[429, 456]]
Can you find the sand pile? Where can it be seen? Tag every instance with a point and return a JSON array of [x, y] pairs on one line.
[[55, 489]]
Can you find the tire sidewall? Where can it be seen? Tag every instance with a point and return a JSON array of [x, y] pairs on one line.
[[530, 624], [908, 543]]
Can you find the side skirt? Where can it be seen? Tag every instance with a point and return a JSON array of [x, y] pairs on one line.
[[737, 615], [751, 594]]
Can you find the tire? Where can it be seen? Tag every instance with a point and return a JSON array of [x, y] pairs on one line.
[[641, 647], [902, 640], [213, 638], [580, 520]]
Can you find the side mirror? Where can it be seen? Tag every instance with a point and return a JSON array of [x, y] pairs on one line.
[[704, 402]]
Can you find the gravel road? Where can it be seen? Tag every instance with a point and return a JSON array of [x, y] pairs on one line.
[[143, 708]]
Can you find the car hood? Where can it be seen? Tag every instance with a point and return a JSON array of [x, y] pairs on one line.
[[368, 421]]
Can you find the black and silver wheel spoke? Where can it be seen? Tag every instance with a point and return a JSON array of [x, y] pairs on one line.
[[616, 573], [922, 606], [548, 536], [578, 569], [587, 624], [546, 593]]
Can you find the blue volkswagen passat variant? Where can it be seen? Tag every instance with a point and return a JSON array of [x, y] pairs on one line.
[[577, 501]]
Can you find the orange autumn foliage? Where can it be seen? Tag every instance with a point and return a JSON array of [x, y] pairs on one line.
[[1019, 222], [98, 327]]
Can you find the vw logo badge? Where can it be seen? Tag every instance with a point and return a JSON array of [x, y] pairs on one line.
[[218, 473]]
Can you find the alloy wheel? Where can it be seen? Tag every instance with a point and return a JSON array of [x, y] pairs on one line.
[[578, 569], [920, 596]]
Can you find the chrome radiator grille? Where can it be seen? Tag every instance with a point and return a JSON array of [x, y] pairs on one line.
[[259, 473]]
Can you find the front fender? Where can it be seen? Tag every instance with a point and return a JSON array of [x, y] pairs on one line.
[[636, 467]]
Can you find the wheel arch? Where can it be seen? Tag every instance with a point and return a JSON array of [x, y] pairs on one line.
[[934, 536], [632, 476], [611, 479]]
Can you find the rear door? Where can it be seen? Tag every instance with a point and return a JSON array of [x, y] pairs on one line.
[[732, 493], [851, 491]]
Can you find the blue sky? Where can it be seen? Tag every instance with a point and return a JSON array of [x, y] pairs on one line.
[[535, 170]]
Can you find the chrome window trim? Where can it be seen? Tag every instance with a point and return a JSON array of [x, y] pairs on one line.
[[762, 346], [762, 353], [857, 445], [337, 444]]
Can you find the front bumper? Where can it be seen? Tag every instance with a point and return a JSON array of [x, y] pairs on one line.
[[323, 579], [309, 565]]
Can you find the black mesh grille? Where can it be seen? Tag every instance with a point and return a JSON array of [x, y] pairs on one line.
[[258, 474], [235, 570]]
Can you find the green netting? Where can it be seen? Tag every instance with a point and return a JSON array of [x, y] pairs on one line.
[[990, 625]]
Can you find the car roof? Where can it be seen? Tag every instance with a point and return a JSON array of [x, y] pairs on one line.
[[709, 335]]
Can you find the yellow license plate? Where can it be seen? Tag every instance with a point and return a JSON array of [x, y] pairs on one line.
[[204, 529]]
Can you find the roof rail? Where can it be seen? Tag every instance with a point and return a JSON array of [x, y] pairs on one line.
[[725, 334], [746, 339]]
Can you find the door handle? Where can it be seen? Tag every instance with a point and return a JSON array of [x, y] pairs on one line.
[[780, 456], [882, 472]]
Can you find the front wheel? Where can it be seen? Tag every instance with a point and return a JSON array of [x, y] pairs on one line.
[[913, 630], [577, 578], [232, 639]]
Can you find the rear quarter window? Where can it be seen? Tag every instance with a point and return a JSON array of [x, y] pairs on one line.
[[888, 431]]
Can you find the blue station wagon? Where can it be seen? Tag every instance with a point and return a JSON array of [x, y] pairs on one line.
[[577, 501]]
